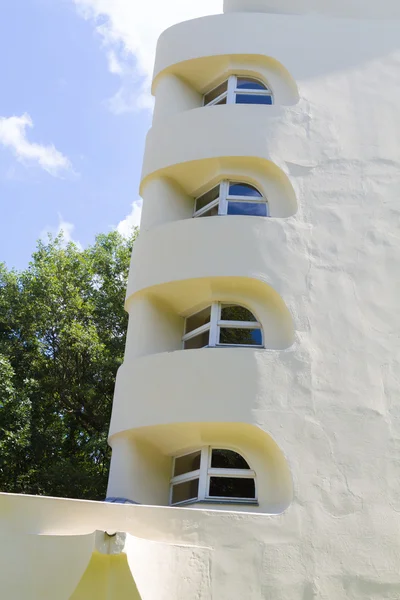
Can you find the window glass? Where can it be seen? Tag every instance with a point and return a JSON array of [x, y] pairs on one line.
[[187, 490], [187, 463], [243, 189], [198, 341], [253, 99], [198, 320], [234, 312], [243, 337], [206, 198], [248, 83], [232, 487], [223, 100], [252, 209], [211, 212], [215, 93], [227, 459]]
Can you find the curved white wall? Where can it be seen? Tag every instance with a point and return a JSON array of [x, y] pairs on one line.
[[203, 50], [259, 248], [196, 386], [267, 132]]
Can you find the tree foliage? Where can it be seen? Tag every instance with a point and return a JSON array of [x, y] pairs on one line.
[[62, 339]]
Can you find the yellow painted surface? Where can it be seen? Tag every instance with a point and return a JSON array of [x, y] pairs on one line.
[[107, 578]]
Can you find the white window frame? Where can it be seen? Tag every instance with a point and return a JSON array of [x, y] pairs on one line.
[[224, 198], [216, 323], [232, 90], [204, 475]]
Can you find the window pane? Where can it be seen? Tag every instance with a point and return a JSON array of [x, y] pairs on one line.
[[247, 83], [223, 100], [253, 99], [234, 312], [241, 337], [207, 198], [215, 93], [198, 320], [251, 209], [199, 341], [188, 490], [243, 189], [232, 487], [211, 212], [227, 459], [187, 463]]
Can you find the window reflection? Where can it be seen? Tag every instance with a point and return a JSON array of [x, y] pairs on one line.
[[198, 320], [187, 490], [224, 473], [239, 90], [249, 209], [187, 463], [227, 459], [235, 312], [232, 487], [253, 99], [231, 198], [240, 337], [243, 189]]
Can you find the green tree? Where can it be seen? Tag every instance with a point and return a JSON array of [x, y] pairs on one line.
[[62, 339]]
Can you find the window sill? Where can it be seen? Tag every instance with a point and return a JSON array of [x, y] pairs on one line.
[[230, 346], [219, 502]]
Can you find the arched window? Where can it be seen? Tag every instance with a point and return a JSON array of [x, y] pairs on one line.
[[221, 325], [212, 474], [231, 198], [239, 90]]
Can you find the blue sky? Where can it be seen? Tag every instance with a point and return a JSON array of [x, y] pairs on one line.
[[74, 111]]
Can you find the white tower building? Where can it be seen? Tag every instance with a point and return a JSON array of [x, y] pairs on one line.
[[260, 363], [256, 422]]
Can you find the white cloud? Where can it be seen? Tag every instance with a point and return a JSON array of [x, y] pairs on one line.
[[65, 227], [129, 30], [13, 135], [132, 220]]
